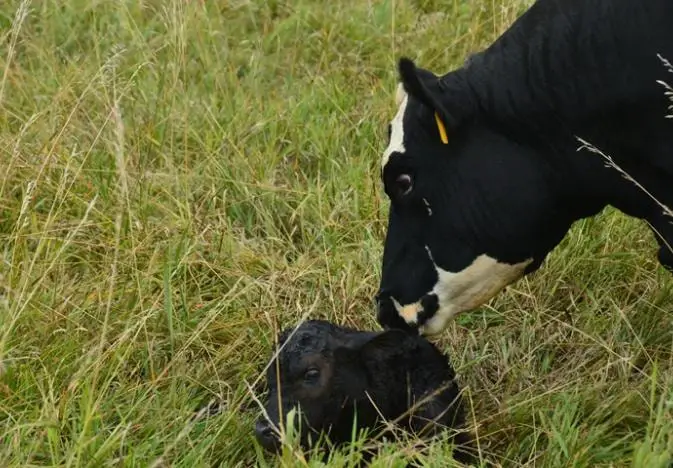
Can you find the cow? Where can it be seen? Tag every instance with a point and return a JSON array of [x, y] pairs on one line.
[[488, 166], [336, 376]]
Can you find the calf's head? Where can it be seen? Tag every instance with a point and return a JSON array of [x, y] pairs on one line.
[[471, 210], [318, 372]]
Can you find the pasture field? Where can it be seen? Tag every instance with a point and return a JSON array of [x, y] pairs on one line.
[[180, 179]]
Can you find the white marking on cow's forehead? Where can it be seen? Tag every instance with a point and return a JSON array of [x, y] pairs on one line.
[[396, 144], [462, 291]]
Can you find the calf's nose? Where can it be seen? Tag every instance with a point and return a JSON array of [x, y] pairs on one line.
[[266, 436]]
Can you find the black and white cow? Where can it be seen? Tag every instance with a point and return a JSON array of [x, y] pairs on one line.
[[482, 167]]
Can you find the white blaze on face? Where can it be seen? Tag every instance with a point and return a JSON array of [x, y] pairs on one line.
[[396, 144], [463, 291]]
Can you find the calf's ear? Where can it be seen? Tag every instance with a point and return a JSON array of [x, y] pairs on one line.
[[383, 344], [344, 355]]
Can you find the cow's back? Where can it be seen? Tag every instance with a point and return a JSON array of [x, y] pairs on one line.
[[589, 68]]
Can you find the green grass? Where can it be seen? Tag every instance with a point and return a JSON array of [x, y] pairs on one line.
[[180, 179]]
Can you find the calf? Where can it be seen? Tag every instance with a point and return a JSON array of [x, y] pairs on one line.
[[338, 376]]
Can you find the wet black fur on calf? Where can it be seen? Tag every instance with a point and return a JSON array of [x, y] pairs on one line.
[[337, 375]]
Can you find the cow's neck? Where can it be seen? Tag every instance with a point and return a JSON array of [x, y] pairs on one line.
[[542, 71], [540, 83]]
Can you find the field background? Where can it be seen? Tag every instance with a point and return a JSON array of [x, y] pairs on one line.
[[180, 179]]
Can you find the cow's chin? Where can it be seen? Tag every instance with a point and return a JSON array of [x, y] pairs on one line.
[[436, 324], [462, 291]]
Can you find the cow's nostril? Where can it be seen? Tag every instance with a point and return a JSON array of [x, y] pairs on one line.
[[381, 312]]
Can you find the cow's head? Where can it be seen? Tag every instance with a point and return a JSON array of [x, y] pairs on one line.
[[471, 209]]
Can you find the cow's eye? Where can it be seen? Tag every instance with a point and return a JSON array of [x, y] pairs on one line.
[[311, 375], [403, 184]]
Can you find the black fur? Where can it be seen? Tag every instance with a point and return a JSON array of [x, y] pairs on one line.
[[354, 368]]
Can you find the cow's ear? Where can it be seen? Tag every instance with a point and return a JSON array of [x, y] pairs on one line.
[[433, 91], [417, 82], [384, 344], [425, 86]]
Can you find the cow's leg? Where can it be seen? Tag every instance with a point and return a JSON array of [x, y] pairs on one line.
[[639, 203], [665, 255], [662, 227]]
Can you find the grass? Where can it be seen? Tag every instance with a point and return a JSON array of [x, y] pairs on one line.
[[180, 179]]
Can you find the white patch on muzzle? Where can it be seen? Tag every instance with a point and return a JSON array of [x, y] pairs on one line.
[[463, 291], [396, 144]]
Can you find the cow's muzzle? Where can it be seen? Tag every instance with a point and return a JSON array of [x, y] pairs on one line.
[[409, 317]]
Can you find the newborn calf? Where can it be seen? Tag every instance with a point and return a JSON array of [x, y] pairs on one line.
[[335, 375]]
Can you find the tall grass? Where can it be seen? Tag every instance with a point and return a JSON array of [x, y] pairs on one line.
[[180, 179]]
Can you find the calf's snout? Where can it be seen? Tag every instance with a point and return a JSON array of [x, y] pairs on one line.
[[266, 436]]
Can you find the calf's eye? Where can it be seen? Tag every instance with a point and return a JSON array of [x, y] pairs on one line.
[[311, 375]]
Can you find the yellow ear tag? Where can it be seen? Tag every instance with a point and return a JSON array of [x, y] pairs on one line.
[[442, 129]]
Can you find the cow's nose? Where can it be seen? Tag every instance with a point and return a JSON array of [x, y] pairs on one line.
[[387, 315], [266, 436]]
